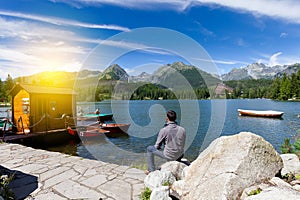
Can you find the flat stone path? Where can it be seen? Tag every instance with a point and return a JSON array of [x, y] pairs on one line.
[[62, 176]]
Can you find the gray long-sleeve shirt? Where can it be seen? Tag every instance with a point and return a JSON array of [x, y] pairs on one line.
[[173, 138]]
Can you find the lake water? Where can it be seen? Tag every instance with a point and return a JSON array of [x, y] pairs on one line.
[[204, 120]]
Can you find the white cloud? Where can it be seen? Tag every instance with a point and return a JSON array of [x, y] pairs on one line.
[[142, 4], [277, 59], [285, 10], [283, 35], [24, 61], [31, 32], [37, 47], [223, 62], [27, 48], [64, 22], [274, 59]]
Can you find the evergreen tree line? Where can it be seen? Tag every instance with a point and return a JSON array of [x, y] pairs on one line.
[[5, 87], [137, 91], [280, 88], [286, 87]]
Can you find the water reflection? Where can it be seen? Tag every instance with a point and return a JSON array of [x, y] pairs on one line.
[[130, 149]]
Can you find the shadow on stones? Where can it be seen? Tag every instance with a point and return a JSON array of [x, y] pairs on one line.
[[174, 198], [22, 184]]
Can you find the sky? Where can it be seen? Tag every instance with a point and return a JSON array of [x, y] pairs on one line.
[[67, 35]]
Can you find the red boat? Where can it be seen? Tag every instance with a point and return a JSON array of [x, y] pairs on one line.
[[72, 131], [92, 133], [89, 132], [112, 130]]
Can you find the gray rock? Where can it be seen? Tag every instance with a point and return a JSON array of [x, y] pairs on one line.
[[228, 166], [291, 164], [158, 178], [250, 191], [173, 190], [174, 167], [296, 187], [280, 183], [277, 190], [275, 193], [160, 193], [295, 182]]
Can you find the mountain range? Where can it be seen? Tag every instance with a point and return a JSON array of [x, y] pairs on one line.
[[260, 70], [171, 75], [166, 75]]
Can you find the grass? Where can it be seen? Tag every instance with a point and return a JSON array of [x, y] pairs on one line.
[[145, 195], [254, 192], [140, 166], [5, 191]]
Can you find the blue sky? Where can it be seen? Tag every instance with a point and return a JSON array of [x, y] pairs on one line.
[[40, 35]]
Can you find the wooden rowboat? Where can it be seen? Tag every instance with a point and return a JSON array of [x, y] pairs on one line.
[[101, 116], [88, 132], [261, 113], [92, 133], [115, 128], [112, 130]]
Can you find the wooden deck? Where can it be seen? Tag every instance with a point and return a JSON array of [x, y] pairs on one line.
[[15, 137]]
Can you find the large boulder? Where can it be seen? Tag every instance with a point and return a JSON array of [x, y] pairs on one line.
[[228, 166]]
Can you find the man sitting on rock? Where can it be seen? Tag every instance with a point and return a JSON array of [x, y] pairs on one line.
[[173, 137]]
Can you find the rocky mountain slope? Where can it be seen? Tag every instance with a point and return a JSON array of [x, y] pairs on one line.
[[170, 75], [114, 72], [260, 70]]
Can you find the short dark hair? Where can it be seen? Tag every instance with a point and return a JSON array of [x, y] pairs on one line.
[[171, 114]]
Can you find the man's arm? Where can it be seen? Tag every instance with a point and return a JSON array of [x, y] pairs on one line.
[[160, 139]]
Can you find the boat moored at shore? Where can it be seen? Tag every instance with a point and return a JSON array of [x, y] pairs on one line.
[[261, 113]]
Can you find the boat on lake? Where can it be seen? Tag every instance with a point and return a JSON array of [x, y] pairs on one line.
[[110, 130], [92, 133], [261, 113], [115, 128], [5, 126], [101, 117]]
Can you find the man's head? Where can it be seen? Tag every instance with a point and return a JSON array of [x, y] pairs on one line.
[[171, 115]]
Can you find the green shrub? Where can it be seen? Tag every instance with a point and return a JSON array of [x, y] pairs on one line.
[[5, 191], [145, 195], [167, 183], [297, 145], [287, 147], [254, 192]]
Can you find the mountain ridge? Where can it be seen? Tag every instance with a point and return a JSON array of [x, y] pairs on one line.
[[165, 73], [260, 70]]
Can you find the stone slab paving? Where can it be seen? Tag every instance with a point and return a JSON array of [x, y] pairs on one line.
[[62, 176]]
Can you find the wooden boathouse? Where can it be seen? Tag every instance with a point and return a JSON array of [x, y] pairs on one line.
[[41, 108]]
